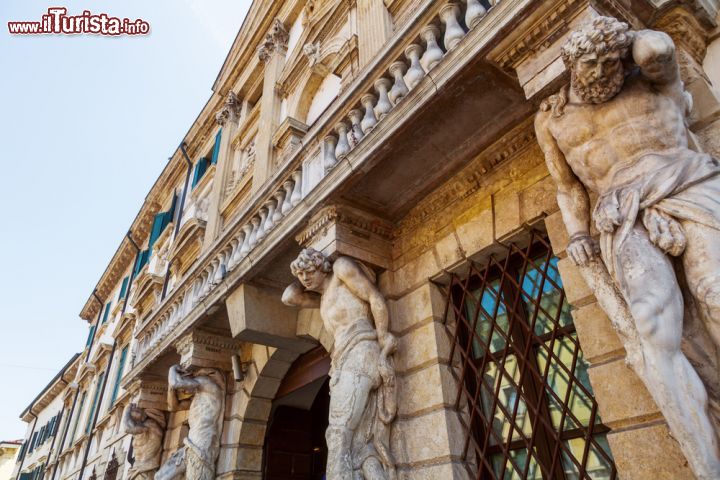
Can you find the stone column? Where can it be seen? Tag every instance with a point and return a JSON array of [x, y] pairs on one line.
[[272, 53], [375, 26], [228, 118]]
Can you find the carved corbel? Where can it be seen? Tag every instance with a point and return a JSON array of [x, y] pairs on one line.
[[200, 349]]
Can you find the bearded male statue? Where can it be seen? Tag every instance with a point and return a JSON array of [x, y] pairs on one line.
[[203, 392], [147, 427], [619, 130], [363, 398]]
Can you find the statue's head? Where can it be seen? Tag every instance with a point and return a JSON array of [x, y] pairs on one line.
[[311, 268], [594, 55]]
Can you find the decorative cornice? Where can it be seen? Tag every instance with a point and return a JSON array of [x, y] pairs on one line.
[[538, 35], [275, 40], [230, 111]]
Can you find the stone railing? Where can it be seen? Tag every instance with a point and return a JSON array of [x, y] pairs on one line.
[[363, 115]]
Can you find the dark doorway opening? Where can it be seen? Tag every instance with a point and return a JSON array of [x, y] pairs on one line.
[[295, 447]]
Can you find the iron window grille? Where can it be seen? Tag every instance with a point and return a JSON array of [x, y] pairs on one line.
[[528, 410]]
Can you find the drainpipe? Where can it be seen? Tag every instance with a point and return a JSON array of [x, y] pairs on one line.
[[108, 367], [25, 453], [183, 149]]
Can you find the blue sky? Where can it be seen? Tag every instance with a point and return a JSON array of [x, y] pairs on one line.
[[87, 125]]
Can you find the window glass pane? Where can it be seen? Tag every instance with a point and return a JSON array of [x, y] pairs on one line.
[[597, 466], [558, 381], [509, 399], [520, 458], [545, 289], [487, 299]]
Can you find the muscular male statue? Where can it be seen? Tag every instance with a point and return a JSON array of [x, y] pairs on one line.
[[362, 390], [620, 131], [146, 427], [205, 388]]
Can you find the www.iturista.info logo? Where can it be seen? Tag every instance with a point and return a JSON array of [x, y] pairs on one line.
[[57, 21]]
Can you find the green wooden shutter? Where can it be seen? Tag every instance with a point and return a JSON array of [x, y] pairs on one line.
[[118, 376], [90, 335], [77, 418], [216, 148], [94, 405], [200, 169], [107, 311], [123, 288], [142, 259]]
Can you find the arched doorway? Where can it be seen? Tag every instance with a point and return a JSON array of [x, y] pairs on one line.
[[295, 447]]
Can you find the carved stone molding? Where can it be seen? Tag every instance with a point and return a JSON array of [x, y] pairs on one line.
[[686, 31], [230, 110], [204, 349], [275, 40], [344, 230]]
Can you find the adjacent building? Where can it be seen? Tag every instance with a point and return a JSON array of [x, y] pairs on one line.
[[398, 133]]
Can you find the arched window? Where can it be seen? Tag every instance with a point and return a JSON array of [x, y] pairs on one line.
[[328, 90]]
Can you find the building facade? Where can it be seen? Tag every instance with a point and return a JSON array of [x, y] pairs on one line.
[[396, 139], [8, 454]]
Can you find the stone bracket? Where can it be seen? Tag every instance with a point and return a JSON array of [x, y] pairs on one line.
[[202, 349]]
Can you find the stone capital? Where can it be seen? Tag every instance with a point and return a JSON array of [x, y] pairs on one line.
[[202, 349], [276, 40], [230, 112], [149, 392], [344, 230]]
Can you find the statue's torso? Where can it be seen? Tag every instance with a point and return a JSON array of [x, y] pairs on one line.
[[203, 417], [613, 143], [147, 446], [342, 311]]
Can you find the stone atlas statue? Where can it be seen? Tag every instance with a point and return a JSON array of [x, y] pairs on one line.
[[363, 398], [619, 131], [147, 427], [204, 390]]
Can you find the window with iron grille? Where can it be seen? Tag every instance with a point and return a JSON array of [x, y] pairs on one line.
[[529, 409]]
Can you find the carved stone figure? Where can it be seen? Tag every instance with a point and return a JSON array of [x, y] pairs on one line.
[[619, 130], [204, 391], [147, 427], [363, 401]]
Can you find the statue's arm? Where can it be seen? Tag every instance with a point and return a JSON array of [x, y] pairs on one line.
[[359, 284], [572, 197], [654, 53], [178, 379], [296, 296]]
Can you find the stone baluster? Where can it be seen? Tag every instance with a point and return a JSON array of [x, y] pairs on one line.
[[433, 53], [287, 204], [356, 115], [369, 120], [269, 224], [383, 107], [220, 269], [450, 15], [253, 234], [279, 198], [261, 228], [329, 158], [399, 90], [245, 247], [415, 73], [297, 191], [474, 12], [234, 249], [343, 147]]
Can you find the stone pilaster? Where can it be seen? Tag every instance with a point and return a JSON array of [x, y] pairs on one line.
[[228, 118], [375, 27], [271, 52]]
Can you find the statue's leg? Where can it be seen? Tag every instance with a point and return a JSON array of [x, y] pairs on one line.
[[373, 469], [650, 287], [348, 399], [702, 269], [174, 467]]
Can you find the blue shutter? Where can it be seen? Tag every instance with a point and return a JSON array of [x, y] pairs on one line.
[[123, 288], [216, 148], [107, 311], [142, 259]]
